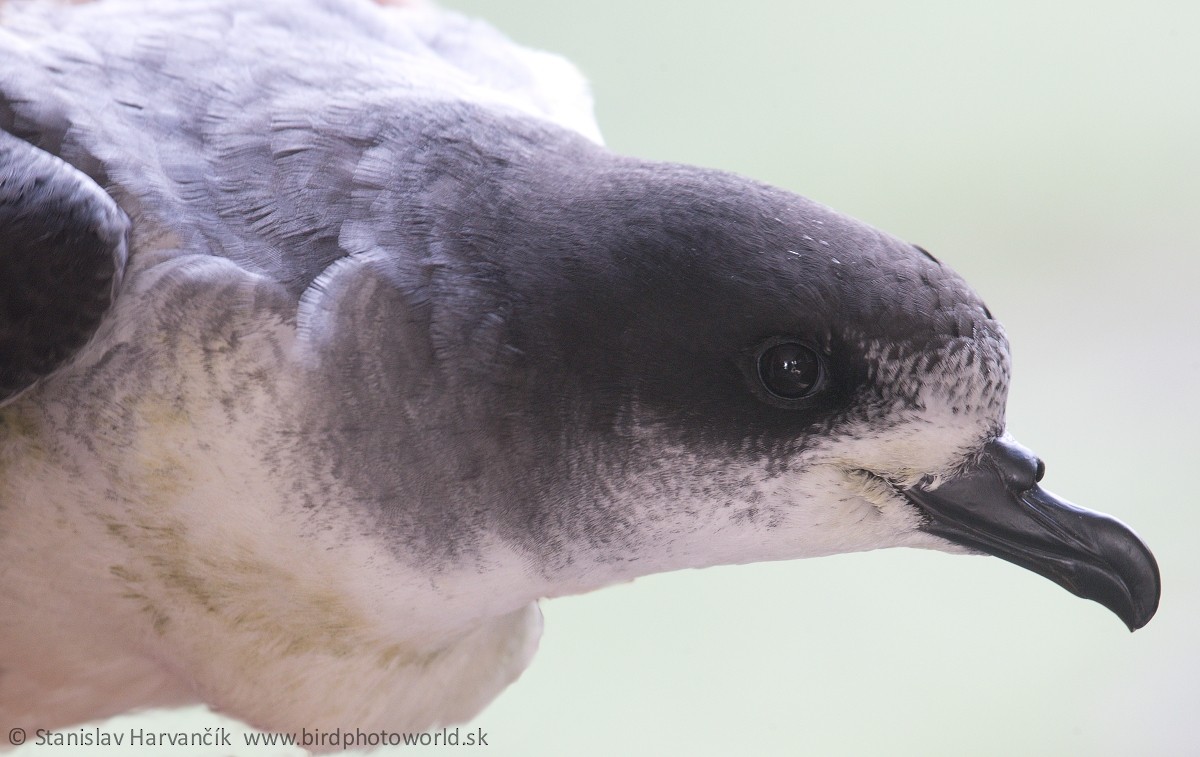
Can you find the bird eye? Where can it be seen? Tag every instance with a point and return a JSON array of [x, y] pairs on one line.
[[789, 370]]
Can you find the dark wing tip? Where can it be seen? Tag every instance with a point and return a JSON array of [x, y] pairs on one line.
[[62, 253]]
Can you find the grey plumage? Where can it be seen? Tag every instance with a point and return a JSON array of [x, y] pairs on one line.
[[244, 154]]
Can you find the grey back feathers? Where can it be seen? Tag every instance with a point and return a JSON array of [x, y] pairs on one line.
[[229, 147]]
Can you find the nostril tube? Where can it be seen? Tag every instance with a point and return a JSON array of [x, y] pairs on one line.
[[1041, 470]]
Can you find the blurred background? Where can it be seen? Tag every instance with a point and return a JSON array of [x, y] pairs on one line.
[[1049, 152]]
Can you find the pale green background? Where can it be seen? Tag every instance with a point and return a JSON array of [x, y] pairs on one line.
[[1047, 151]]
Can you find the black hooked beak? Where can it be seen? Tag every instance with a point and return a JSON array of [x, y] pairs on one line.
[[997, 507]]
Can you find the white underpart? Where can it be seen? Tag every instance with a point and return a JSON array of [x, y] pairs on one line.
[[195, 572]]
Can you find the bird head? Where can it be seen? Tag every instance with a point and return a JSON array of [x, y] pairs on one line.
[[624, 367]]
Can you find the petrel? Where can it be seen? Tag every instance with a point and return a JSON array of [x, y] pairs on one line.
[[332, 339]]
